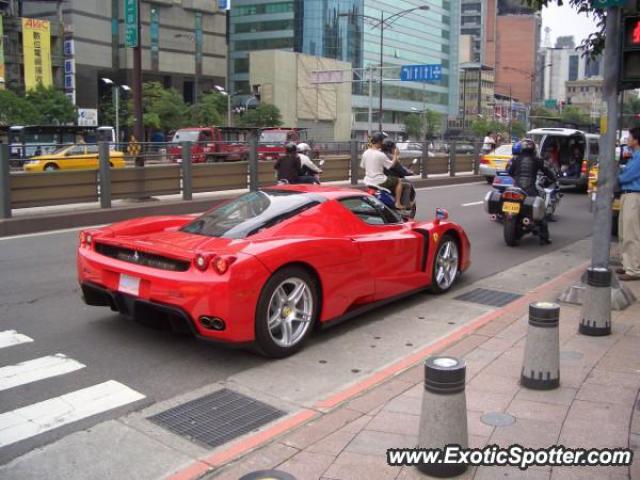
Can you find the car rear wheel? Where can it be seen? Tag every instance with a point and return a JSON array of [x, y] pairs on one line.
[[489, 180], [50, 167], [446, 265], [287, 309]]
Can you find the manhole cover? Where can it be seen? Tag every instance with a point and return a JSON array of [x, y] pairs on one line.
[[485, 296], [496, 419], [571, 355], [217, 418]]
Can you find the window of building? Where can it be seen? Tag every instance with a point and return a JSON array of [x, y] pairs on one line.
[[264, 44], [241, 65], [573, 67], [254, 27], [279, 7], [471, 20]]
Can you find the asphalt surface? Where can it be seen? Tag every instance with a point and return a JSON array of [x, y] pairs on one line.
[[39, 297]]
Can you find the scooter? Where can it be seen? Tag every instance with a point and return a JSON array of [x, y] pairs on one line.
[[408, 191], [306, 173], [550, 192]]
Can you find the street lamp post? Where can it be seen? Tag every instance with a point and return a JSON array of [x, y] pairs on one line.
[[383, 23], [115, 93], [221, 90]]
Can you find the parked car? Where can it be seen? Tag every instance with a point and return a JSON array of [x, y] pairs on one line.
[[412, 150], [263, 269], [73, 157]]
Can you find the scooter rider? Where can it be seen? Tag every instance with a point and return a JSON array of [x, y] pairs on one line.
[[524, 170], [374, 161], [288, 167], [308, 167]]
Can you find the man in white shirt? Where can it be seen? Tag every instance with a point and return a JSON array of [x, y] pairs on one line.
[[489, 143], [374, 161]]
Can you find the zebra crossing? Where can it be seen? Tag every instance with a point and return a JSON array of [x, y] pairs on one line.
[[31, 420]]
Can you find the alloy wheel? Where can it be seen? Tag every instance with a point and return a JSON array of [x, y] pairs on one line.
[[447, 264], [290, 312]]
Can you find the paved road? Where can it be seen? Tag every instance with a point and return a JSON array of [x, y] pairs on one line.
[[121, 366]]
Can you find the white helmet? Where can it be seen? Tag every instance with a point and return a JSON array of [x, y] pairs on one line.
[[303, 147]]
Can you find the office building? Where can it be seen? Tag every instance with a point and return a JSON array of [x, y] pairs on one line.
[[474, 78], [566, 65], [336, 29], [179, 39], [586, 94]]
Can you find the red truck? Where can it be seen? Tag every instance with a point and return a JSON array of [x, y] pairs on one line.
[[209, 144], [273, 140]]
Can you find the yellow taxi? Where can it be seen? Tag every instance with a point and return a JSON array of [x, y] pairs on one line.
[[72, 157], [495, 160]]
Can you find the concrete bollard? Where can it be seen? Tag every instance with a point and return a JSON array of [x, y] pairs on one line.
[[268, 475], [541, 364], [596, 311], [443, 420]]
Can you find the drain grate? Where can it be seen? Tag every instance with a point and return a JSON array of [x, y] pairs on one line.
[[217, 418], [485, 296]]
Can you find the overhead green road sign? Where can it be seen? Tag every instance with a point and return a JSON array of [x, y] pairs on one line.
[[131, 19], [608, 3]]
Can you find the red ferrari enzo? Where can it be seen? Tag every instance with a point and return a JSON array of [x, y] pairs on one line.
[[266, 267]]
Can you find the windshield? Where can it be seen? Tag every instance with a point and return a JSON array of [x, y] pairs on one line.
[[273, 136], [185, 136], [251, 213]]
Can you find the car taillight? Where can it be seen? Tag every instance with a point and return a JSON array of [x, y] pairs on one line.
[[583, 170], [86, 239], [484, 160], [201, 262], [371, 191], [222, 264], [512, 196]]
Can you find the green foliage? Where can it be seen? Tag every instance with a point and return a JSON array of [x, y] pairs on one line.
[[264, 115], [162, 108], [210, 109], [52, 106], [15, 110], [518, 129], [413, 125], [571, 114], [480, 126], [426, 124]]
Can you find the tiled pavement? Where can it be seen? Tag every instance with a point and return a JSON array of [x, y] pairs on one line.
[[593, 408]]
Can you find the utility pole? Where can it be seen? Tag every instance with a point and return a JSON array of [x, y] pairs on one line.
[[137, 84], [599, 309], [381, 64]]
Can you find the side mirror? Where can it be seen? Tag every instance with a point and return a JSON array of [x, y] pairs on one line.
[[321, 162], [415, 161], [441, 214]]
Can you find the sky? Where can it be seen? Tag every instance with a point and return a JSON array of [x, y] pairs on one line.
[[566, 21]]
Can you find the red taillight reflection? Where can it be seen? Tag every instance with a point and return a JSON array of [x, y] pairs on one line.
[[512, 196], [583, 170], [484, 160], [222, 264]]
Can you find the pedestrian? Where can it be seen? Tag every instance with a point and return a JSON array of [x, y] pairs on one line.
[[489, 143], [629, 179]]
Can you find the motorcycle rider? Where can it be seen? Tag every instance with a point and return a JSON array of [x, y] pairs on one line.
[[309, 169], [524, 170], [288, 167], [374, 161]]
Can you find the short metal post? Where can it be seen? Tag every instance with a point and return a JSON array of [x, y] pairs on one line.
[[541, 364], [596, 310], [104, 179], [253, 162], [477, 147], [355, 165], [5, 182], [443, 418], [187, 179], [452, 159], [423, 160]]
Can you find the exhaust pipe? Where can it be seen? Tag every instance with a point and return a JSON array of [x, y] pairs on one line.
[[526, 221], [493, 217], [212, 323]]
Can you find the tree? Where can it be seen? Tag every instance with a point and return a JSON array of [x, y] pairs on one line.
[[480, 126], [574, 115], [15, 110], [210, 109], [427, 124], [53, 106], [264, 115], [162, 108], [413, 125], [518, 129]]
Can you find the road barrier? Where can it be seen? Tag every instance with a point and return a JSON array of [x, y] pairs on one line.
[[541, 364], [596, 314], [103, 174], [443, 418]]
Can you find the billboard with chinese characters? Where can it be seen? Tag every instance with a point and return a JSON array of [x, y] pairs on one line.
[[36, 49]]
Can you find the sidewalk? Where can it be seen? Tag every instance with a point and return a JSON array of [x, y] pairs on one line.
[[593, 408]]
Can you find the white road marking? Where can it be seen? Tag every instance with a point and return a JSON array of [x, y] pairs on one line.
[[454, 185], [9, 338], [472, 204], [37, 369], [41, 417], [51, 232]]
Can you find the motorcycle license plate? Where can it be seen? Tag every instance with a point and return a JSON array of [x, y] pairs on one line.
[[511, 207]]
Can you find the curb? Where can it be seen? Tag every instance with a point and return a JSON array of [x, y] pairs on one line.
[[98, 216], [240, 447]]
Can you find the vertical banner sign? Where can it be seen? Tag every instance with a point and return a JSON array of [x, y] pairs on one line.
[[131, 18], [36, 49], [154, 34], [198, 38], [3, 80]]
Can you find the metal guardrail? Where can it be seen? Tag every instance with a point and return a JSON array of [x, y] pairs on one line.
[[190, 168]]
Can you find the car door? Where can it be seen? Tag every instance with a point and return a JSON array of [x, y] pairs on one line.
[[391, 249], [90, 158], [74, 158]]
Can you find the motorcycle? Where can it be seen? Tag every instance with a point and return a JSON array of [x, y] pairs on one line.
[[408, 191], [550, 192], [521, 213], [306, 172]]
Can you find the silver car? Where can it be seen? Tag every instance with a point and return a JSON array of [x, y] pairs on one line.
[[411, 150]]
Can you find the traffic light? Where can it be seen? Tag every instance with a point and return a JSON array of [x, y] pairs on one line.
[[630, 58]]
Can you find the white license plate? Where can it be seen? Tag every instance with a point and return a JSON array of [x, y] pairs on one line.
[[129, 284]]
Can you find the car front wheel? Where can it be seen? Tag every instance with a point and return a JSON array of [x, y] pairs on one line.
[[446, 265], [287, 309]]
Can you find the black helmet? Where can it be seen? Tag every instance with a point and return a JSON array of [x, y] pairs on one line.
[[388, 146], [378, 137], [527, 146], [291, 147]]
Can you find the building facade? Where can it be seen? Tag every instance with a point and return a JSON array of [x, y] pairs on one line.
[[586, 95], [475, 78], [337, 29], [566, 65], [172, 32]]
